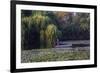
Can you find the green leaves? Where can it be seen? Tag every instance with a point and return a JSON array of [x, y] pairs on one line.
[[43, 25], [51, 35], [48, 26]]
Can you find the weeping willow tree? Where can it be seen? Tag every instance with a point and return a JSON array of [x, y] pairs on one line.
[[39, 26], [41, 21], [51, 35], [25, 26]]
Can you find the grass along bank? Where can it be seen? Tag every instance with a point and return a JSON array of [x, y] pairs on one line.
[[45, 55]]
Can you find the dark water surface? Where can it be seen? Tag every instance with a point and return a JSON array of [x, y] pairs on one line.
[[72, 44]]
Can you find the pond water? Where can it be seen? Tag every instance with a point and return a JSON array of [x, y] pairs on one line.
[[77, 43]]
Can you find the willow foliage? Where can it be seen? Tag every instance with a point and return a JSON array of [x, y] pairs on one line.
[[51, 35], [41, 22]]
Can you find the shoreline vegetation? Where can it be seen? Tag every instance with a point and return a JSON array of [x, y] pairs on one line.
[[46, 55]]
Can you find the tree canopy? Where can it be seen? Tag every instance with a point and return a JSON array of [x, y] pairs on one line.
[[41, 29]]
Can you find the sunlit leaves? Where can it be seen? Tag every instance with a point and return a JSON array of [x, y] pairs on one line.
[[40, 21], [51, 34]]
